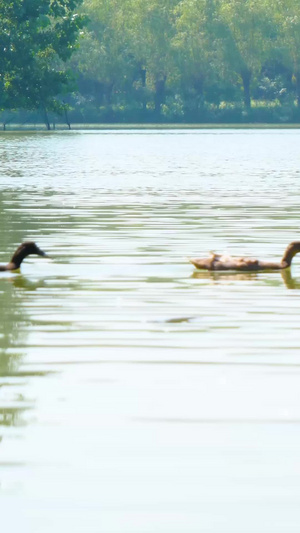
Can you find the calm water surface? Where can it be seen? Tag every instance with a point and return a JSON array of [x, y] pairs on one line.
[[136, 395]]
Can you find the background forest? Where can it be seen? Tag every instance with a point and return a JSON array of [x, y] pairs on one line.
[[142, 61]]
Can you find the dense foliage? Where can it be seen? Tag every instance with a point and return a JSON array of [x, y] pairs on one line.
[[192, 60], [37, 37], [153, 60]]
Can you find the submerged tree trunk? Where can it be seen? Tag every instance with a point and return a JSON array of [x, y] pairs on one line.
[[159, 98], [246, 79]]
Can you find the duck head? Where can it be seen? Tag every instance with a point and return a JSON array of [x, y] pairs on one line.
[[25, 249]]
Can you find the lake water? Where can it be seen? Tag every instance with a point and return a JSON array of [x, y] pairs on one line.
[[136, 395]]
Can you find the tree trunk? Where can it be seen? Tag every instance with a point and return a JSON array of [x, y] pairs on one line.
[[143, 78], [98, 91], [297, 78], [46, 118], [246, 78], [198, 84], [159, 97], [67, 118], [109, 92]]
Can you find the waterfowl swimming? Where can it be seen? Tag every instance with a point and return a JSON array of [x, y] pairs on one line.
[[25, 249], [226, 262]]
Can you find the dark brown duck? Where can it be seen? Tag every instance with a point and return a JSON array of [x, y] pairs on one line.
[[227, 262], [25, 249]]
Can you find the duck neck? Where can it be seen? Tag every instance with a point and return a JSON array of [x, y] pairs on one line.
[[19, 257], [289, 253]]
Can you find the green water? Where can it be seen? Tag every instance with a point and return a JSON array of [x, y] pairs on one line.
[[137, 395]]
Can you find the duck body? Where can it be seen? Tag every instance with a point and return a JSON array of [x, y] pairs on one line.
[[25, 249], [227, 262]]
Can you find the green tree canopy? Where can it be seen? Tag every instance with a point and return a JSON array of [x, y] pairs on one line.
[[287, 18], [247, 31], [36, 38]]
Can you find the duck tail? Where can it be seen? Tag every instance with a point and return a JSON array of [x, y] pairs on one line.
[[195, 262]]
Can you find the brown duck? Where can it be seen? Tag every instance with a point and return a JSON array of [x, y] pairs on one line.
[[226, 262], [25, 249]]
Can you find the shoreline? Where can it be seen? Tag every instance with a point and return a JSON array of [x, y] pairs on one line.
[[151, 126]]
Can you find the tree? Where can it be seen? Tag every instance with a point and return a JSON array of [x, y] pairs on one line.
[[127, 50], [104, 56], [247, 32], [151, 27], [37, 38], [287, 17], [197, 50]]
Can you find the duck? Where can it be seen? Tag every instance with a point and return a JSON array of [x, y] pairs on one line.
[[25, 249], [227, 262]]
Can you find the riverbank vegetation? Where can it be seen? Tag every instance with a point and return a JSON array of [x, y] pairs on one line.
[[189, 61]]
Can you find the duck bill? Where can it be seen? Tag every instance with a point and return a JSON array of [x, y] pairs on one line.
[[42, 254]]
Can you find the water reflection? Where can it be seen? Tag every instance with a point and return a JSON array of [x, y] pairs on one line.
[[14, 326], [226, 277], [21, 282], [12, 334], [12, 416], [178, 320], [290, 281]]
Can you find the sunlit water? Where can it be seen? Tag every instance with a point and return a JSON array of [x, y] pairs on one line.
[[136, 395]]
